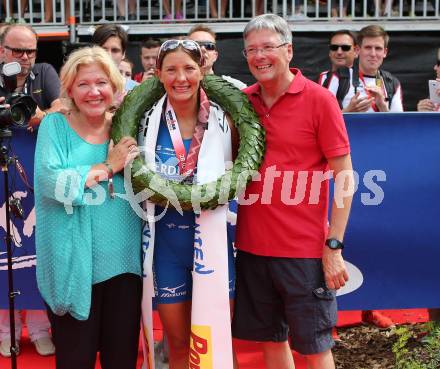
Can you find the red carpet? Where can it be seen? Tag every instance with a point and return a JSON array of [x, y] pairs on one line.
[[249, 354]]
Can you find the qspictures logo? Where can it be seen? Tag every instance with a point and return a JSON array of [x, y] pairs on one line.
[[200, 353]]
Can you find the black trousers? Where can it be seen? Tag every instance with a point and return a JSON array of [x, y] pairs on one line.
[[112, 328]]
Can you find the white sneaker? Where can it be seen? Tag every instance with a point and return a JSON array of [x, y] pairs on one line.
[[44, 346], [5, 347]]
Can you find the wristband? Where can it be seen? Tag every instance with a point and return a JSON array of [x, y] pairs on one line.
[[109, 169], [111, 189]]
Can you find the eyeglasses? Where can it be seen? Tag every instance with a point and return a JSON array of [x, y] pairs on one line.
[[18, 52], [208, 45], [335, 47], [189, 45], [265, 50]]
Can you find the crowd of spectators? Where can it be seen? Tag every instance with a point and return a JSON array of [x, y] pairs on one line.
[[356, 78]]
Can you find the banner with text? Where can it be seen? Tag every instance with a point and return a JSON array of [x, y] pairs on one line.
[[391, 239]]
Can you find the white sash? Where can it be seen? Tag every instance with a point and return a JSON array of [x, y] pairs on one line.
[[211, 343]]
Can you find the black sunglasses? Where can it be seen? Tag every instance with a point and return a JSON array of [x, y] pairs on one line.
[[190, 46], [208, 45], [19, 52], [335, 47]]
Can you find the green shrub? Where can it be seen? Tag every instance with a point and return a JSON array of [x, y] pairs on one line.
[[409, 355]]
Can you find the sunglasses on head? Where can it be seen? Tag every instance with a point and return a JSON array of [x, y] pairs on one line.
[[335, 47], [189, 45], [208, 45]]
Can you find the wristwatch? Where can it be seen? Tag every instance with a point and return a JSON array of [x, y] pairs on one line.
[[334, 244]]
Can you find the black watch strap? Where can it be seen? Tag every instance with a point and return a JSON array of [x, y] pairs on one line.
[[334, 244]]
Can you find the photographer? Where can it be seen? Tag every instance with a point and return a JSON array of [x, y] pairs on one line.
[[18, 43]]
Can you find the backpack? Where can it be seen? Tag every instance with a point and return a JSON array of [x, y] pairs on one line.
[[391, 84], [343, 74]]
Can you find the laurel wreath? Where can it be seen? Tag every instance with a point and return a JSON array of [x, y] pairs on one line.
[[167, 192]]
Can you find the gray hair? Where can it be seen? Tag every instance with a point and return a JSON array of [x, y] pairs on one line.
[[270, 22]]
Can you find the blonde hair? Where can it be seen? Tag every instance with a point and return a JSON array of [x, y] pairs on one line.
[[87, 56]]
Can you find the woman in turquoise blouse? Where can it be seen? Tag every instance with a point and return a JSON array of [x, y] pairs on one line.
[[87, 235]]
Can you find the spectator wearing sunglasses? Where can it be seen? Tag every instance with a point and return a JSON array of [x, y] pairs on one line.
[[206, 38], [427, 104], [342, 49], [18, 43], [176, 129], [342, 54]]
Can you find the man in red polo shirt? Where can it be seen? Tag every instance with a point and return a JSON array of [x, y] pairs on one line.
[[289, 260]]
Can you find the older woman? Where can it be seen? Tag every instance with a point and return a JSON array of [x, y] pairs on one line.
[[87, 237], [191, 139]]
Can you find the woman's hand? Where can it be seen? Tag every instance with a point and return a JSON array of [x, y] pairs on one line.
[[121, 154]]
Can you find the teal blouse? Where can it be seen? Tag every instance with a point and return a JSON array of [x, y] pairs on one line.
[[83, 236]]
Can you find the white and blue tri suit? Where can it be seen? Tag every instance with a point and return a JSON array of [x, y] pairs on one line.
[[174, 243]]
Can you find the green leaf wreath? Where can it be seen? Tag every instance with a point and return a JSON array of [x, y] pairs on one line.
[[208, 196]]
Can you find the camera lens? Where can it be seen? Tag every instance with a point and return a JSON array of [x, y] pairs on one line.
[[21, 109], [18, 115]]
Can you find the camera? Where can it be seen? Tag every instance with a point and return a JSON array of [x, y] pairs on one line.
[[21, 106]]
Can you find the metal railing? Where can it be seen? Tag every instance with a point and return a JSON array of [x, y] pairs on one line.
[[34, 12], [157, 11], [143, 16]]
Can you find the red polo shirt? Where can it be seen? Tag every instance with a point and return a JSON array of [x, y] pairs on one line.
[[304, 128]]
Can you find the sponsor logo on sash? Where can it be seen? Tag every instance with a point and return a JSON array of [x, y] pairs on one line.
[[200, 354]]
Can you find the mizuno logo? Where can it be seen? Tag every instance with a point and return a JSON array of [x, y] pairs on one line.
[[172, 290]]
